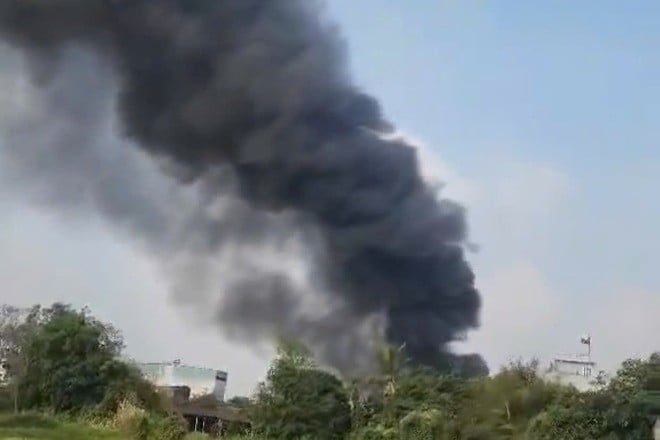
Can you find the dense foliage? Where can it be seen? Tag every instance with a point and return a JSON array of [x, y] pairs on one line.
[[66, 361], [412, 403], [299, 400]]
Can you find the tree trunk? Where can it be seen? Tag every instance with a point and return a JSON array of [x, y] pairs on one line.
[[656, 429]]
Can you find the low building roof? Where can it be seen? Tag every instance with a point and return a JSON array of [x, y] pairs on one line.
[[207, 406]]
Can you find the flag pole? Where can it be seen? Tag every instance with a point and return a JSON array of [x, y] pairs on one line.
[[586, 340]]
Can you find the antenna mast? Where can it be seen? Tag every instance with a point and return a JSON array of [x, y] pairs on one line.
[[586, 340]]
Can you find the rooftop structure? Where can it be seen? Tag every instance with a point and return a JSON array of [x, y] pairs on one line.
[[200, 381], [197, 393], [578, 370], [573, 370]]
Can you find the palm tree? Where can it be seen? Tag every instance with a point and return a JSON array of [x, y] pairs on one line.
[[390, 360]]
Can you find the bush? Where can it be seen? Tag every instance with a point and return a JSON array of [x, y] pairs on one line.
[[132, 421], [129, 385], [422, 425], [374, 432], [6, 399], [237, 429], [137, 424], [167, 428]]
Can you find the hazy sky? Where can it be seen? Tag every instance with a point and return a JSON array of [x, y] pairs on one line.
[[538, 118]]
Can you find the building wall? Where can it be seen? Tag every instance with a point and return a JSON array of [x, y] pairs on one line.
[[201, 381], [574, 368], [573, 371], [3, 371], [580, 382]]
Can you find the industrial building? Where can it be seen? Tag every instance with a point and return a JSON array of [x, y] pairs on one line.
[[198, 394], [201, 381]]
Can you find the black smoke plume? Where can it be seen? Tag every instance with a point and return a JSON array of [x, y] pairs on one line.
[[251, 99]]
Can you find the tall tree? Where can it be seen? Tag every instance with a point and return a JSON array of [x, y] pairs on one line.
[[17, 326], [650, 395], [298, 399], [71, 361]]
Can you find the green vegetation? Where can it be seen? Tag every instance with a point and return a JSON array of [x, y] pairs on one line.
[[33, 426], [64, 362]]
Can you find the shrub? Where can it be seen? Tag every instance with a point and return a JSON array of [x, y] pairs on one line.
[[422, 425], [137, 424], [132, 421], [374, 432], [6, 399], [166, 428]]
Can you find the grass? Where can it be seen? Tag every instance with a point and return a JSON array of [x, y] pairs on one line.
[[39, 427], [42, 427]]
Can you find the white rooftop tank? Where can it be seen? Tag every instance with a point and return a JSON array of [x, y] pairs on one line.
[[201, 381]]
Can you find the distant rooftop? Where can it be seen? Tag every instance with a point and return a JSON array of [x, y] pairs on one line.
[[574, 359], [177, 365], [578, 370], [199, 380]]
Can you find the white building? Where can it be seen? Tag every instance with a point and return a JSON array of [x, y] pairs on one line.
[[201, 381], [579, 371], [3, 372]]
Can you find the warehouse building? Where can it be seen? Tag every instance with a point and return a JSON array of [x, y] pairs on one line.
[[201, 381]]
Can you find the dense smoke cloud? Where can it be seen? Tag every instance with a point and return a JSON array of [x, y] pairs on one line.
[[269, 150]]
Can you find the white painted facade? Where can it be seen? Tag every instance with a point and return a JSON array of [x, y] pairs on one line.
[[579, 371], [3, 372], [201, 381]]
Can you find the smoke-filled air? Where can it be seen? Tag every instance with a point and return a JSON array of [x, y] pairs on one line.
[[264, 158]]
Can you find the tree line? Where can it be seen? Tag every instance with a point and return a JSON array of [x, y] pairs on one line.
[[66, 361]]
